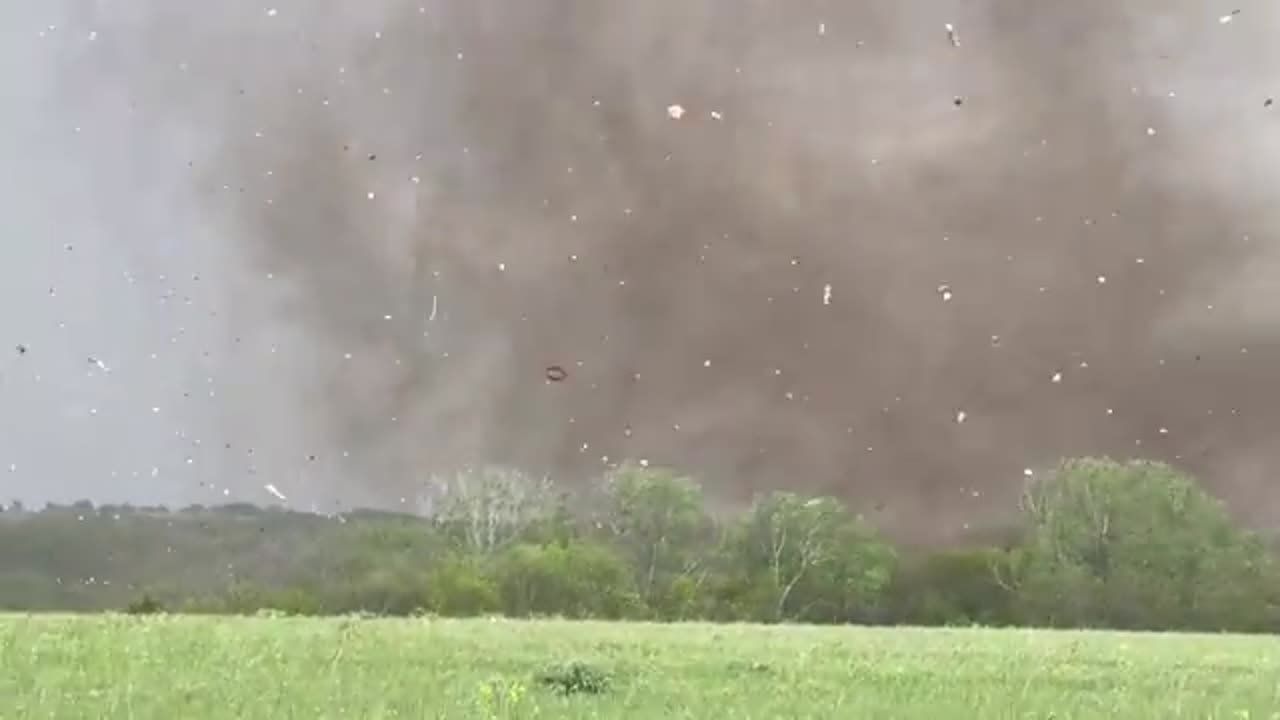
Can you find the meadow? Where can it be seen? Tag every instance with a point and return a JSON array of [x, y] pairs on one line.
[[174, 666]]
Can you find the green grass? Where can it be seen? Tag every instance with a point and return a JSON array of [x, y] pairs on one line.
[[193, 667]]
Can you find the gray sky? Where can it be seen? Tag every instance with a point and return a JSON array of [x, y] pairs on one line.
[[222, 204]]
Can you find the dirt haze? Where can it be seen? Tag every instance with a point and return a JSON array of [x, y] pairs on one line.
[[1055, 238]]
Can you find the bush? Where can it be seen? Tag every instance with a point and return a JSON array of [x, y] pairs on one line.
[[575, 678], [967, 586], [145, 605], [580, 579], [457, 587]]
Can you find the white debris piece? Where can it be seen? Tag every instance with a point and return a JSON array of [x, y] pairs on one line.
[[951, 34], [1151, 131], [826, 294], [945, 292], [960, 416], [1228, 17], [274, 491], [1057, 377], [675, 112], [822, 29]]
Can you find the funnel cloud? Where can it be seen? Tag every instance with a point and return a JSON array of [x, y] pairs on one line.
[[903, 254]]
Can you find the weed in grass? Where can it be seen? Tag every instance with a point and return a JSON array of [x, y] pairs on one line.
[[574, 678]]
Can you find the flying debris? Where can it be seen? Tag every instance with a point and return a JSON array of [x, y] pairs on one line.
[[675, 112], [274, 491], [951, 35], [1228, 17], [22, 349], [556, 373]]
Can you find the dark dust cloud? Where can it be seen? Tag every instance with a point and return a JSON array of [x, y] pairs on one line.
[[816, 245]]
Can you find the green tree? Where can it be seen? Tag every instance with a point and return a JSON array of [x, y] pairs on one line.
[[1138, 545], [807, 559], [657, 520]]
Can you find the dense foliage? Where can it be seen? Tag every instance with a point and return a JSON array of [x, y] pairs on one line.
[[1102, 544]]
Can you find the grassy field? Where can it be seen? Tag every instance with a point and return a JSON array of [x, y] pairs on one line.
[[193, 667]]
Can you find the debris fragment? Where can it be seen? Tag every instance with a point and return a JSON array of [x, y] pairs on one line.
[[945, 291], [826, 294], [274, 491], [1228, 17], [951, 35], [556, 373], [675, 112]]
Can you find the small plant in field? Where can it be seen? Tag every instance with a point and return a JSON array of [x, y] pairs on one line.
[[575, 678], [145, 605], [501, 699]]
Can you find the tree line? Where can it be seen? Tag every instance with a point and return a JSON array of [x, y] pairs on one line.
[[1099, 543]]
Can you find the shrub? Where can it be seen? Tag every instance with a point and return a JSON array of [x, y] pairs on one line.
[[574, 678]]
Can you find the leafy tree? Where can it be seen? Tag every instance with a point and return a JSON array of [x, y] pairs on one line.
[[657, 520], [1137, 545], [808, 559], [482, 510]]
